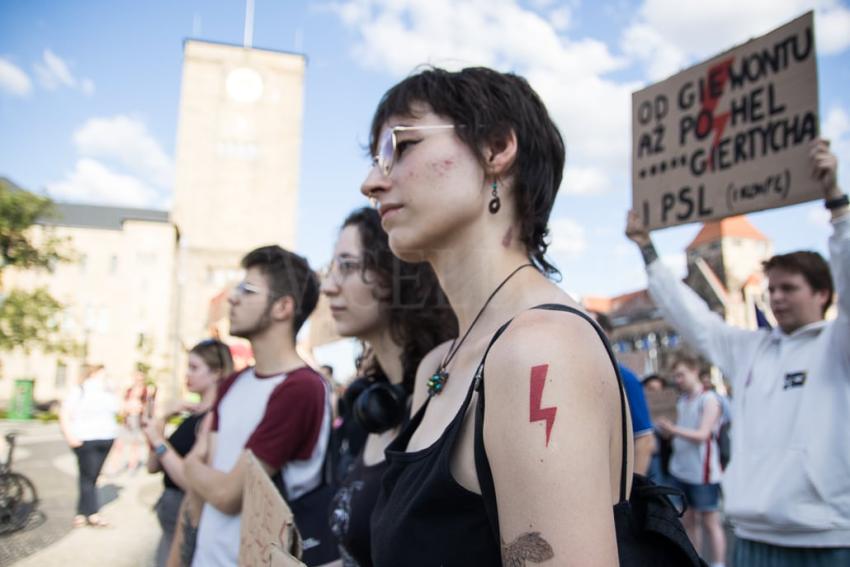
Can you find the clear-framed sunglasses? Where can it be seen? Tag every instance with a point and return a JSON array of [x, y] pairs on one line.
[[244, 288], [388, 145]]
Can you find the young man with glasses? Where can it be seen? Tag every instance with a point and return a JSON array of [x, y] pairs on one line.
[[278, 409]]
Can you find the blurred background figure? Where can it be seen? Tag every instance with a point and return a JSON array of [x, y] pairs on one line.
[[695, 463], [661, 401], [88, 420], [209, 363], [641, 423], [130, 446]]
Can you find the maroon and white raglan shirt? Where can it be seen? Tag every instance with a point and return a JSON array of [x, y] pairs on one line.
[[284, 419]]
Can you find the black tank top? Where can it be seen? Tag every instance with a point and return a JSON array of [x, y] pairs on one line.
[[351, 511], [423, 517]]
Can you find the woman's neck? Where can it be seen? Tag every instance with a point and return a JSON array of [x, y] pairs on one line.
[[208, 395], [469, 279], [388, 353]]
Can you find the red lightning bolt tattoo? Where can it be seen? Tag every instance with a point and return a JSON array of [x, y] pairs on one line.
[[535, 412]]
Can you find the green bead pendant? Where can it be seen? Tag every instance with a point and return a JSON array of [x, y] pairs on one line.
[[437, 381]]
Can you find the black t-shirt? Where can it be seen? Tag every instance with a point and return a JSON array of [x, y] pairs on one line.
[[182, 440], [351, 511]]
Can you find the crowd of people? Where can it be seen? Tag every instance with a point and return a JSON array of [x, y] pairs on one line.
[[446, 283]]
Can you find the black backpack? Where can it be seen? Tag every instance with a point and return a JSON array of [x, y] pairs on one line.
[[648, 526]]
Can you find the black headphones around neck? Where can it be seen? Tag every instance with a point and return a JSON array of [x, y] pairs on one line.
[[380, 406]]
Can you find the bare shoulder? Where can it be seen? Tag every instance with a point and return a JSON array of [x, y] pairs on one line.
[[427, 366], [565, 343], [566, 336]]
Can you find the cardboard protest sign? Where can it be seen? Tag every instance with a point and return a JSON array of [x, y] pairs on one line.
[[730, 135], [268, 536]]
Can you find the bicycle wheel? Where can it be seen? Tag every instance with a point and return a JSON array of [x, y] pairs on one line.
[[18, 501]]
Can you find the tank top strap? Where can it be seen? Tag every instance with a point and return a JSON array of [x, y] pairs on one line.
[[482, 464]]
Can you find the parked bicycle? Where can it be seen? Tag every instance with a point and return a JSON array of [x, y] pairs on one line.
[[18, 498]]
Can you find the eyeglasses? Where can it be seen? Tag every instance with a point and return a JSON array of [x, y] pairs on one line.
[[340, 268], [244, 288], [388, 145]]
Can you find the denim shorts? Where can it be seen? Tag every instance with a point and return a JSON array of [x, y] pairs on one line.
[[700, 497]]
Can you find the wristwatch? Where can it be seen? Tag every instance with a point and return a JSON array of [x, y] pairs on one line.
[[160, 449], [837, 203]]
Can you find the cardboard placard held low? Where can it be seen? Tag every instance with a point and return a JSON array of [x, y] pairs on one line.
[[268, 535], [731, 135]]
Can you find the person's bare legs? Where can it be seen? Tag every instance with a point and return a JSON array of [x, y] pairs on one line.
[[689, 520], [717, 538]]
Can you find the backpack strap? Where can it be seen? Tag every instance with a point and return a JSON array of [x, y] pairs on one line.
[[482, 464]]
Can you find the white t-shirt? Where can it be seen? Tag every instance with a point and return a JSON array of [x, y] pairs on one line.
[[92, 409], [284, 420]]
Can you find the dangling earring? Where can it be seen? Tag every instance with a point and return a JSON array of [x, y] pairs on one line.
[[495, 202]]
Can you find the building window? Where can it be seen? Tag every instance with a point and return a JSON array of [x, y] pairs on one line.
[[113, 264], [84, 260]]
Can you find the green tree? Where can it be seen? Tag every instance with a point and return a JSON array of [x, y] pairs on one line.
[[28, 319]]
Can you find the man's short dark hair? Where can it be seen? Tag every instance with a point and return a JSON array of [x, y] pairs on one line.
[[288, 274], [810, 265]]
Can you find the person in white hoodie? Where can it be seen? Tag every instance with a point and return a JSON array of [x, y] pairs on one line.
[[787, 486]]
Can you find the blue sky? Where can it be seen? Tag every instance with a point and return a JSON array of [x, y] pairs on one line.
[[73, 74]]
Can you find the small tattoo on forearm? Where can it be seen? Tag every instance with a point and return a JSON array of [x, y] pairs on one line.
[[190, 536], [528, 547], [535, 412]]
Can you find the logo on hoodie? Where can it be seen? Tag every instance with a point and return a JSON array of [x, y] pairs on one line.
[[794, 380]]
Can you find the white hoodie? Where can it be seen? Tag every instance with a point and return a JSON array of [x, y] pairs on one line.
[[788, 480]]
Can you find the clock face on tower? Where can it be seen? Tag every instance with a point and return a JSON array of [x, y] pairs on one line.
[[244, 85]]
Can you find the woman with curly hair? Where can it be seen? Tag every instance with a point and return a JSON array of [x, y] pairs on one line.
[[399, 312]]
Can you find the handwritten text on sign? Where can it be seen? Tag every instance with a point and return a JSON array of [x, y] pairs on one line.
[[730, 135]]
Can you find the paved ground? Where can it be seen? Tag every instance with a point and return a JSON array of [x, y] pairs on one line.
[[49, 541]]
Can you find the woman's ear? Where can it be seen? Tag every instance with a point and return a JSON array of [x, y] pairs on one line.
[[501, 153]]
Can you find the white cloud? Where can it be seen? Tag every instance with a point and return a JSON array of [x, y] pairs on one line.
[[584, 181], [53, 72], [13, 79], [120, 164], [833, 29], [567, 238], [126, 141], [667, 35], [93, 182], [568, 72], [561, 18]]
